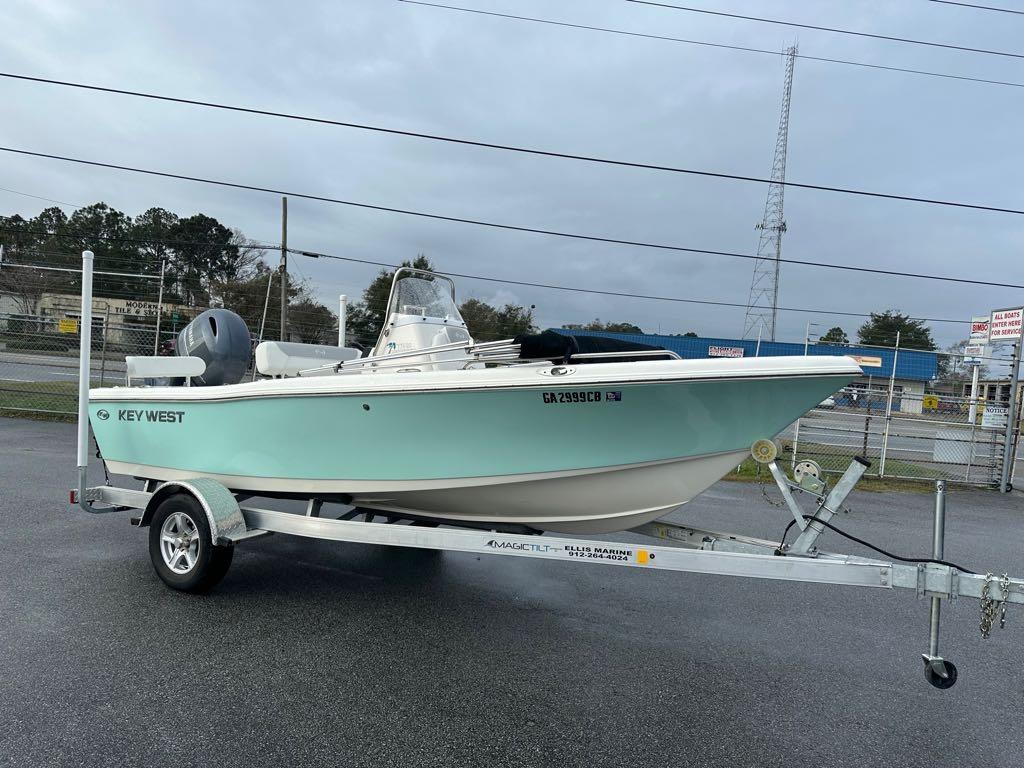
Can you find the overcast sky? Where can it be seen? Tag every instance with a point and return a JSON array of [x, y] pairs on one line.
[[505, 81]]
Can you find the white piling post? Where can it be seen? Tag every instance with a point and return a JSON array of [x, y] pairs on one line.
[[84, 369], [972, 416], [342, 310]]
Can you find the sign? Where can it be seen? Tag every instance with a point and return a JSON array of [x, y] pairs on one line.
[[973, 353], [995, 416], [136, 307], [867, 360], [979, 329], [1006, 324], [725, 352], [930, 402], [67, 325]]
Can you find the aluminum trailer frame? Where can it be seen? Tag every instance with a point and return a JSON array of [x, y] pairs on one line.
[[689, 550]]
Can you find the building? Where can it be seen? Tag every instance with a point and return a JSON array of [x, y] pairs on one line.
[[914, 369], [121, 321]]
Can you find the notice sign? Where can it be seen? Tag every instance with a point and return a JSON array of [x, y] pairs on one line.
[[994, 416], [67, 326], [725, 352], [979, 329], [1006, 324], [867, 360]]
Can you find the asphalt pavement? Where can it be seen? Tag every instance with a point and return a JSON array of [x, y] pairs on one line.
[[334, 654], [38, 367]]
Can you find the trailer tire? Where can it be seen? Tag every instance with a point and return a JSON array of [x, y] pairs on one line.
[[181, 548]]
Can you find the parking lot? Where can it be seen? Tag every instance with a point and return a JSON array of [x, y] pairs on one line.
[[320, 653]]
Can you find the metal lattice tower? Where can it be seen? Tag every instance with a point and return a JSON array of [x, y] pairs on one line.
[[762, 304]]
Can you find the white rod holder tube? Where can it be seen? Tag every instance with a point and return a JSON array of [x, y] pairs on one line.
[[84, 367]]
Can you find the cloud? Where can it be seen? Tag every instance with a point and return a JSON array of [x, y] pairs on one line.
[[572, 90]]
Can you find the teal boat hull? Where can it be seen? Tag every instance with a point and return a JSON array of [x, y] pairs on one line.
[[585, 458]]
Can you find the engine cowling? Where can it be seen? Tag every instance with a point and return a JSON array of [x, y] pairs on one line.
[[221, 338]]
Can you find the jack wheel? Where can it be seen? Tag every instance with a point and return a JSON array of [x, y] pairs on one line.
[[941, 674]]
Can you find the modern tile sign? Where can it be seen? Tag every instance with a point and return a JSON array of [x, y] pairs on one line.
[[725, 352], [1006, 324]]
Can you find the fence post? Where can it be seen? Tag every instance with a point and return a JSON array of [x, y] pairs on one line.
[[103, 352], [1012, 417], [888, 408]]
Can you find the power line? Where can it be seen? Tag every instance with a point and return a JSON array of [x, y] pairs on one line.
[[979, 7], [576, 289], [39, 197], [745, 49], [499, 225], [855, 33], [493, 146]]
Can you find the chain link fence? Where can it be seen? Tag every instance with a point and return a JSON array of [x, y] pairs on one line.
[[940, 432]]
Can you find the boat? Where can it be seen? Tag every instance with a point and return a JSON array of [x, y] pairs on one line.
[[434, 427]]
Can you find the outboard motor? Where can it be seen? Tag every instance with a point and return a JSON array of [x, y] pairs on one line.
[[221, 338]]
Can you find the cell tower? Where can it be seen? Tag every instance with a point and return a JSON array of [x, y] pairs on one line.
[[762, 305]]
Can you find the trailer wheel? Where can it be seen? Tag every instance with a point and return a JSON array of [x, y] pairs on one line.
[[181, 548]]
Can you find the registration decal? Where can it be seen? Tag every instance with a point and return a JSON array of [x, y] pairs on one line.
[[574, 396]]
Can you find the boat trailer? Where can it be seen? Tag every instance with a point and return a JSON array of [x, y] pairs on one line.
[[196, 523], [227, 523]]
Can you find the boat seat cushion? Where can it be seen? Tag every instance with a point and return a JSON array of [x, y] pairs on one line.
[[289, 358], [159, 366]]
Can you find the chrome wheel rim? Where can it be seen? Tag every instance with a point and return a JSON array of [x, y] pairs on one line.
[[179, 543]]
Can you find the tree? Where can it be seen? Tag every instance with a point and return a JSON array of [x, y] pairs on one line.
[[365, 319], [206, 252], [488, 323], [598, 325], [836, 336], [690, 333], [150, 231], [312, 322], [882, 328], [953, 368], [34, 242]]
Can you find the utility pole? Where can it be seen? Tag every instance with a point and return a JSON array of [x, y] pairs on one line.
[[284, 269], [763, 301], [159, 310]]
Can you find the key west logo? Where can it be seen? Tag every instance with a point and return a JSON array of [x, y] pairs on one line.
[[150, 415]]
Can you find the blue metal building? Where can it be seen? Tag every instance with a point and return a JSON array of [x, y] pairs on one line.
[[914, 369]]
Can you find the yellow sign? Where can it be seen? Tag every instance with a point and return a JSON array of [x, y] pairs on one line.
[[930, 402], [67, 326]]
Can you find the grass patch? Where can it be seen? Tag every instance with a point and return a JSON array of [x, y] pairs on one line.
[[50, 401], [834, 461]]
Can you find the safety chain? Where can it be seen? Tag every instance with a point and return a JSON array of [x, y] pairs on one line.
[[991, 606], [763, 483]]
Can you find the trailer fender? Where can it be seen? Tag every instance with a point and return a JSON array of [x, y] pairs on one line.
[[222, 512]]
